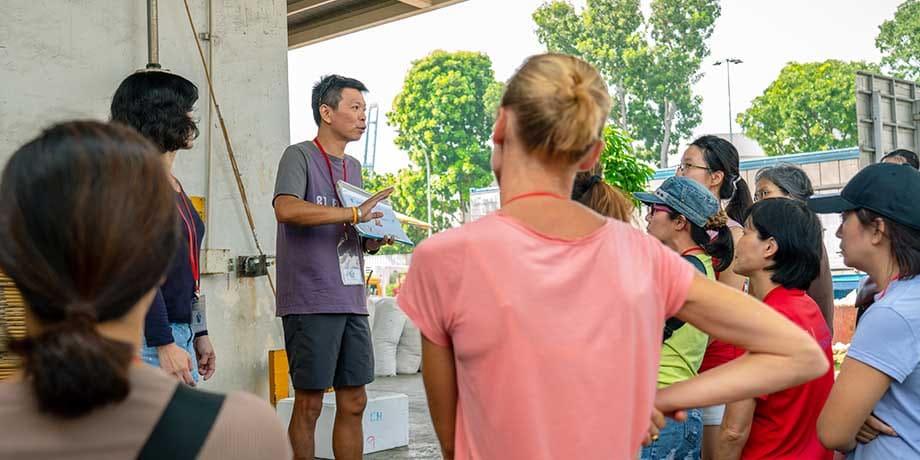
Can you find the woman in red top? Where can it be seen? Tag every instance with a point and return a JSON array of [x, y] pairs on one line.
[[780, 253]]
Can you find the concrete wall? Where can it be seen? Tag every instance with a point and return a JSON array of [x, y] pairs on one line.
[[62, 59]]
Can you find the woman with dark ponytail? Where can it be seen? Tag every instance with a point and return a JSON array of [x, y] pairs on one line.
[[681, 213], [87, 232], [713, 162]]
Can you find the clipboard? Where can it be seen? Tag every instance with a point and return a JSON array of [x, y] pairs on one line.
[[377, 228]]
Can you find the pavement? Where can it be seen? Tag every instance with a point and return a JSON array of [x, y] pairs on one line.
[[423, 443]]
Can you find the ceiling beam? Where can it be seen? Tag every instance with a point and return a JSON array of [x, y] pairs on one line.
[[305, 5], [354, 20], [418, 3]]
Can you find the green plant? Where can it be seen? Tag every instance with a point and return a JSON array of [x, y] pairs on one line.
[[621, 167]]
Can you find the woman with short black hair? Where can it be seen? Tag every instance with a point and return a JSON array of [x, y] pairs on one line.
[[159, 105], [790, 181], [780, 253]]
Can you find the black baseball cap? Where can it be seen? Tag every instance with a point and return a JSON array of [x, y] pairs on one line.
[[890, 190]]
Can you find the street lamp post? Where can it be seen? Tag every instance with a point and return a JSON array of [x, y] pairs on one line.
[[728, 72]]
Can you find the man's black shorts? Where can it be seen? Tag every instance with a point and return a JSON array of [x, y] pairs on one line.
[[328, 350]]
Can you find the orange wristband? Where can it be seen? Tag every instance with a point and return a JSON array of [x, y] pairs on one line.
[[354, 211]]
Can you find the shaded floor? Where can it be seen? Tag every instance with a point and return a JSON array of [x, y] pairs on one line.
[[423, 444]]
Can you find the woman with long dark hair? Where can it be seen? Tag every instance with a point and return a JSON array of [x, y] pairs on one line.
[[88, 230], [872, 409]]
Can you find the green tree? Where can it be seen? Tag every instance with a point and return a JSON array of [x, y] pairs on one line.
[[899, 41], [667, 110], [445, 111], [650, 65], [606, 34], [809, 107], [621, 167]]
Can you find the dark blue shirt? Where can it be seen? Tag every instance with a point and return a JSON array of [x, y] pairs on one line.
[[173, 302]]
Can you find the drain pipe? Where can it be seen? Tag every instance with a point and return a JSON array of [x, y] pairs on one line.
[[153, 49], [208, 205]]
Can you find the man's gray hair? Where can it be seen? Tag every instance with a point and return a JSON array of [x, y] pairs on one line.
[[789, 178]]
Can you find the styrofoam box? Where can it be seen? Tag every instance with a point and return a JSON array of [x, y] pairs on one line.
[[386, 422]]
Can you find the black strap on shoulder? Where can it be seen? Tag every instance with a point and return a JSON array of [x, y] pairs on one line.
[[673, 324], [696, 262], [182, 429], [670, 327]]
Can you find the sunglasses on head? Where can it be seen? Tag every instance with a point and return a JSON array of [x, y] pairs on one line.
[[327, 85]]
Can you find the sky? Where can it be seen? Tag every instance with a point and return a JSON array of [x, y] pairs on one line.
[[764, 34]]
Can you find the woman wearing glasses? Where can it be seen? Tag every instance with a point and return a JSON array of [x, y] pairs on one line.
[[713, 162], [681, 212]]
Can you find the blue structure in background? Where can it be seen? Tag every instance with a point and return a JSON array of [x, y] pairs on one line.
[[843, 284], [795, 158], [370, 137]]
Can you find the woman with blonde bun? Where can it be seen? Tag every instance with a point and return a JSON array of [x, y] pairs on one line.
[[542, 322]]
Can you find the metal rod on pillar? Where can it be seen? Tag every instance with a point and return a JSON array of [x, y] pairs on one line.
[[153, 38]]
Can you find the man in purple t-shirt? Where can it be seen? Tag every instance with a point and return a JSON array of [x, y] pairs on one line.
[[320, 265]]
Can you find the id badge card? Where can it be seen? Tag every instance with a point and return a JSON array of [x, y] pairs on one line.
[[350, 261], [199, 315]]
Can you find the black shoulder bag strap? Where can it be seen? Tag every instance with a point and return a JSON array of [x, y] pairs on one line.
[[182, 429], [673, 324]]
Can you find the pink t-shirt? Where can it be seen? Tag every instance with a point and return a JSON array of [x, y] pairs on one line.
[[556, 342]]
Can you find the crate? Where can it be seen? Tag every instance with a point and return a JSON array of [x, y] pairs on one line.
[[386, 422]]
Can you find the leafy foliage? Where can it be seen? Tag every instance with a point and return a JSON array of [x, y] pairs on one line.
[[809, 107], [445, 111], [621, 167], [646, 63], [899, 41]]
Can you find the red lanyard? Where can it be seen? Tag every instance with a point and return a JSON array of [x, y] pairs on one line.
[[533, 194], [329, 166], [893, 279], [193, 250], [688, 251]]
